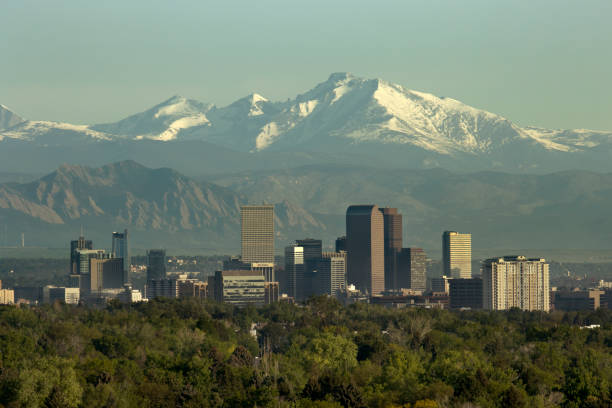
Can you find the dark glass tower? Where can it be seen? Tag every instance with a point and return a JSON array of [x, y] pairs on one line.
[[80, 243], [393, 245], [156, 264]]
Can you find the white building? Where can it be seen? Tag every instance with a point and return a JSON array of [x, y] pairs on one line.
[[515, 281]]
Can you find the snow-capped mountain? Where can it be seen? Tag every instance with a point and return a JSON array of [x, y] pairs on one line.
[[8, 118], [344, 114], [161, 122]]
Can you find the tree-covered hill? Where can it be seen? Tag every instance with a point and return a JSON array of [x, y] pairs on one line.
[[186, 353]]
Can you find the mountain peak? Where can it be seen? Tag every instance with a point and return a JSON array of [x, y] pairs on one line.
[[8, 118], [340, 76]]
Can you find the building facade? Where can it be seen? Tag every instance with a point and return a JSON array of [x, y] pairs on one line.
[[412, 269], [295, 271], [156, 264], [515, 281], [106, 273], [120, 249], [331, 273], [257, 233], [457, 254], [392, 222], [465, 293], [365, 249], [80, 243], [240, 288]]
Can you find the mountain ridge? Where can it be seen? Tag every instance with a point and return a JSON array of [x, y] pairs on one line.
[[345, 115]]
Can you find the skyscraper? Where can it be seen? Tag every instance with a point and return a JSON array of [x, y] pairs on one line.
[[365, 246], [331, 273], [412, 269], [156, 264], [257, 233], [294, 270], [515, 281], [457, 254], [313, 249], [120, 249], [80, 243], [393, 245]]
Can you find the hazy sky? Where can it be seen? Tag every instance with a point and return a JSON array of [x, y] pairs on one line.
[[545, 63]]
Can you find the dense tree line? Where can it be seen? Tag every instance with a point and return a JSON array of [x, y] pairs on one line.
[[189, 353]]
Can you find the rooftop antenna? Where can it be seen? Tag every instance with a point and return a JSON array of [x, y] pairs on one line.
[[82, 231], [23, 239]]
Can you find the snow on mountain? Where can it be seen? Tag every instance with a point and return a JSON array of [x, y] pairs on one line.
[[8, 118], [56, 132], [161, 122], [342, 112]]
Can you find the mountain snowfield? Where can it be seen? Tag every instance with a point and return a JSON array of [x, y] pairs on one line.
[[343, 113]]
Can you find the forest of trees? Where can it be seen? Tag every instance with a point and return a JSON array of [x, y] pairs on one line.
[[189, 353]]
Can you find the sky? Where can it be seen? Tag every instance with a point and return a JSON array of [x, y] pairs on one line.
[[542, 63]]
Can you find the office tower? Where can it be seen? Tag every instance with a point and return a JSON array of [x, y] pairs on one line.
[[465, 293], [82, 278], [240, 288], [295, 270], [331, 273], [392, 221], [156, 264], [412, 269], [515, 281], [365, 246], [312, 254], [457, 254], [120, 249], [106, 273], [257, 233], [80, 243], [341, 244]]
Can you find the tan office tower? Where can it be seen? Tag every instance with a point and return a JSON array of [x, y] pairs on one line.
[[457, 254], [393, 245], [257, 226], [365, 244], [515, 281]]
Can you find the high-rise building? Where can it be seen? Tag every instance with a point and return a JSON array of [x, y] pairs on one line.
[[120, 249], [331, 273], [412, 269], [82, 277], [457, 254], [156, 264], [515, 281], [295, 271], [465, 293], [341, 244], [365, 246], [313, 249], [392, 221], [80, 243], [106, 273], [257, 233]]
